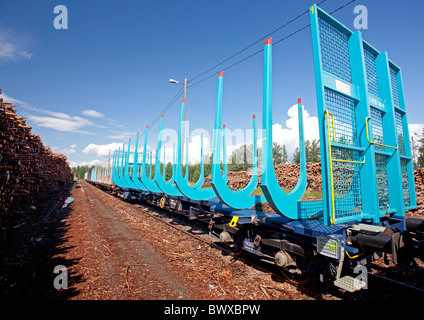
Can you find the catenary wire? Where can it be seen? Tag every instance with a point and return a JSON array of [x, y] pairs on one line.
[[178, 95]]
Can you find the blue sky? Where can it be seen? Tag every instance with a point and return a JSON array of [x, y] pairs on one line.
[[89, 88]]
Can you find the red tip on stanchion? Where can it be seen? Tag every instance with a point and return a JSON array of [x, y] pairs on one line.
[[223, 125], [268, 41], [161, 115], [299, 100], [183, 101], [137, 133], [201, 133], [254, 116], [147, 126], [130, 139], [221, 74]]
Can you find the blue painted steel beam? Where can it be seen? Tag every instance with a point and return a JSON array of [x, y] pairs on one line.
[[239, 199], [167, 188], [282, 203], [195, 193], [135, 179], [149, 184]]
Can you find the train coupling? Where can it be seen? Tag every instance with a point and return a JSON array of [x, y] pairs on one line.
[[402, 245]]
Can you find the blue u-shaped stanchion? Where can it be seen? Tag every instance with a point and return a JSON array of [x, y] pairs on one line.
[[149, 184], [113, 177], [127, 178], [166, 187], [118, 170], [192, 192], [282, 203], [238, 199], [139, 185], [122, 169]]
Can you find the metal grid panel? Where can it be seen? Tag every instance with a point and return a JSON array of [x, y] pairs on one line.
[[395, 91], [382, 183], [343, 109], [347, 186], [371, 73], [405, 182], [308, 209], [399, 133], [334, 50], [377, 128]]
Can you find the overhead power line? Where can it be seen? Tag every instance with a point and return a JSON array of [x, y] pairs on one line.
[[214, 68], [252, 44]]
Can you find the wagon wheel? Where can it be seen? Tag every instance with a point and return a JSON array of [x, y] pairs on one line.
[[297, 279], [232, 249]]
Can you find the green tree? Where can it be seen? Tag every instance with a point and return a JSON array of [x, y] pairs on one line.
[[79, 171], [312, 151], [420, 161], [277, 153], [296, 156], [168, 171], [284, 154]]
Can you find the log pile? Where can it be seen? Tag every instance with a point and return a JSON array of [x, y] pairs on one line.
[[419, 189], [28, 169], [287, 176]]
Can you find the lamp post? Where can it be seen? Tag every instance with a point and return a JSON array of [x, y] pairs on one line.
[[185, 103]]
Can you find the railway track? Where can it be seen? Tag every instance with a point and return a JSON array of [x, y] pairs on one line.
[[264, 267], [314, 290]]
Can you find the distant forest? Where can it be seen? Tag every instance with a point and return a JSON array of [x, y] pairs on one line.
[[240, 160]]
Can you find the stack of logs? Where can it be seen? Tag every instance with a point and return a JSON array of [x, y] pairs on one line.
[[419, 189], [287, 176], [28, 169]]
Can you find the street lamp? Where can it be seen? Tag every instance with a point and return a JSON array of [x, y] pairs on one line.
[[185, 93], [184, 84]]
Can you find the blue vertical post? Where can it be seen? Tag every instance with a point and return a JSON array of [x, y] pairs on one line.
[[408, 153], [325, 166], [113, 168], [186, 166], [121, 173], [282, 203], [368, 177], [394, 180]]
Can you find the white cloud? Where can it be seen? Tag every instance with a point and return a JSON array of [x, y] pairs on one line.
[[416, 130], [18, 103], [289, 136], [121, 135], [54, 120], [93, 113], [70, 149], [194, 148], [95, 162], [102, 150], [10, 52], [61, 122]]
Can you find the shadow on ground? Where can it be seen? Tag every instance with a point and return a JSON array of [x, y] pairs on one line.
[[30, 249]]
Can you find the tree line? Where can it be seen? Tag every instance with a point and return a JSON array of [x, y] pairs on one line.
[[240, 160], [418, 152]]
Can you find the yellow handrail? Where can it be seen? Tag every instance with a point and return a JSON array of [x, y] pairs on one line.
[[372, 142], [351, 161], [326, 112]]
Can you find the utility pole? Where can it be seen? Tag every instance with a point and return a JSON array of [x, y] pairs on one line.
[[185, 105]]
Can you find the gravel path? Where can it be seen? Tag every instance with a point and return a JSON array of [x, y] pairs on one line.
[[120, 252]]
